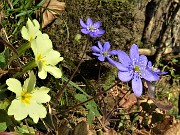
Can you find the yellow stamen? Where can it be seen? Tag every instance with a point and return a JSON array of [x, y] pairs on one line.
[[25, 97]]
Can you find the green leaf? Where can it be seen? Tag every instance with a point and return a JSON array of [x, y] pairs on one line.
[[90, 117], [81, 97], [2, 59], [146, 107], [91, 106], [32, 81], [64, 78], [156, 117], [3, 126], [4, 120], [24, 129], [4, 104], [174, 60]]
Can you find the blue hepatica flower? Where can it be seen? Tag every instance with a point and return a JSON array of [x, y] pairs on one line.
[[154, 70], [103, 52], [134, 68], [91, 28]]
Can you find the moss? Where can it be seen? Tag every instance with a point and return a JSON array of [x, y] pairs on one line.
[[116, 17]]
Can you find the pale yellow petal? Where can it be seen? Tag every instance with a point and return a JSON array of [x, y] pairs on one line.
[[24, 33], [42, 74], [37, 111], [41, 45], [14, 85], [43, 92], [53, 57], [53, 70], [18, 109]]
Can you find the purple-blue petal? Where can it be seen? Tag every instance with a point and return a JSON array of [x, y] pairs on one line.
[[121, 67], [134, 54], [89, 22], [137, 85], [95, 49], [93, 34], [85, 31], [100, 32], [142, 61], [125, 76], [124, 58], [100, 45], [150, 64], [97, 25], [101, 58], [162, 73], [83, 24], [149, 75], [111, 61], [113, 52], [106, 46], [97, 54]]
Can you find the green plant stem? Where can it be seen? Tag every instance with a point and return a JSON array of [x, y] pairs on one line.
[[99, 94], [20, 51], [26, 67], [59, 94]]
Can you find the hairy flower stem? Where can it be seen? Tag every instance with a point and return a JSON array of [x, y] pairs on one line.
[[59, 94], [101, 98], [99, 94]]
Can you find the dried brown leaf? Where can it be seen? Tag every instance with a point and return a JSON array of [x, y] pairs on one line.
[[175, 130], [53, 9], [2, 72], [129, 101], [161, 105], [110, 132]]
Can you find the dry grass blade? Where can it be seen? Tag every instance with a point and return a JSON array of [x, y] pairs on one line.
[[50, 10]]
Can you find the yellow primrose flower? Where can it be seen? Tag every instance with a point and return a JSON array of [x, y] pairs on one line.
[[45, 57], [31, 30], [28, 100]]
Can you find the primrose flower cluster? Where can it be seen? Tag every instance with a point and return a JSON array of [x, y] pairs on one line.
[[27, 101], [45, 57], [132, 68]]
